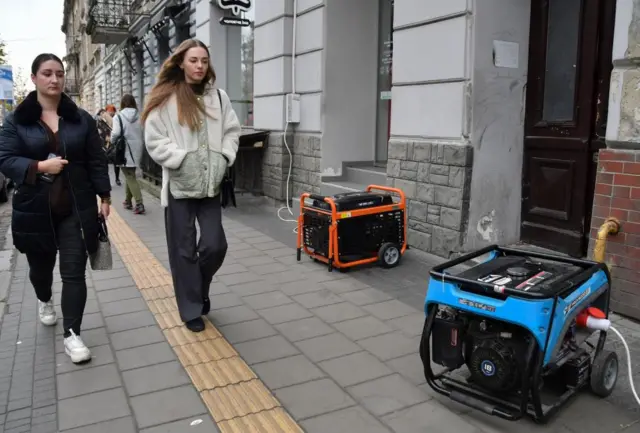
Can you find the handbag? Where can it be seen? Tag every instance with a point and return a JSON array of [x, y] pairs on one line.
[[102, 259], [227, 188]]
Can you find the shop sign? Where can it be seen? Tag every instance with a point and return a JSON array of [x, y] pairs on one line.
[[235, 6]]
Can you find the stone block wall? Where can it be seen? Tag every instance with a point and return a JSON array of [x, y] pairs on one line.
[[275, 163], [436, 178], [617, 194], [306, 164], [305, 174]]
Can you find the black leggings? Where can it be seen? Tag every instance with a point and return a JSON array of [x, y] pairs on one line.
[[73, 262], [116, 170]]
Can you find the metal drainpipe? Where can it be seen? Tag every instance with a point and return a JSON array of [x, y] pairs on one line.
[[610, 226]]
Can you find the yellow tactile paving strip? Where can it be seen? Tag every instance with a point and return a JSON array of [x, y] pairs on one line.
[[237, 400]]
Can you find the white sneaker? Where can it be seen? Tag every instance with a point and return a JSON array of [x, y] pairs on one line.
[[47, 313], [76, 349]]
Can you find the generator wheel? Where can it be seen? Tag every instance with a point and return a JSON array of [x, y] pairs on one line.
[[389, 255], [604, 373]]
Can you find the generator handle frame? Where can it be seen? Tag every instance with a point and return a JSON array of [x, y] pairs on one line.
[[588, 268]]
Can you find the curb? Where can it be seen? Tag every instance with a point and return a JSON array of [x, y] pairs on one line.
[[7, 263]]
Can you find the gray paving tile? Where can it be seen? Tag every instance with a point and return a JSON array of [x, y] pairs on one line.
[[255, 259], [47, 427], [120, 425], [355, 368], [290, 276], [287, 371], [254, 288], [235, 279], [109, 275], [299, 286], [231, 315], [89, 321], [114, 283], [100, 355], [136, 337], [246, 256], [366, 296], [125, 322], [246, 331], [265, 349], [389, 346], [271, 268], [167, 406], [18, 414], [338, 312], [409, 366], [280, 252], [389, 309], [123, 307], [362, 327], [144, 356], [430, 417], [154, 378], [352, 420], [194, 424], [327, 346], [344, 285], [228, 269], [313, 398], [387, 394], [412, 325], [318, 298], [92, 408], [267, 300], [284, 313], [304, 329], [88, 380], [121, 294], [224, 301]]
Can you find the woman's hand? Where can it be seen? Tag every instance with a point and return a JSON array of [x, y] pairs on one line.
[[105, 209], [52, 166]]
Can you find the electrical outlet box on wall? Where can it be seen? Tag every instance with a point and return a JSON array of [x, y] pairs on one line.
[[292, 108]]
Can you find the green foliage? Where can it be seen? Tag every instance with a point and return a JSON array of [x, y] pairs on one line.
[[3, 52]]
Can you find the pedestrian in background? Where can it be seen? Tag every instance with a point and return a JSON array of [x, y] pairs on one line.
[[126, 124], [51, 149], [192, 131], [107, 116]]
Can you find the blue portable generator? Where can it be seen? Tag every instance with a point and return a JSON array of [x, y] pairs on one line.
[[507, 332]]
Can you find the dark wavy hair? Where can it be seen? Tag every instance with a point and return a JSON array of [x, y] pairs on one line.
[[44, 57]]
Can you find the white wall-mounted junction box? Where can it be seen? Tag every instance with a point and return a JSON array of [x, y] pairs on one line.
[[292, 108]]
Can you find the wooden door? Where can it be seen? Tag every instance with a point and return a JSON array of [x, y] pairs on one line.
[[567, 93]]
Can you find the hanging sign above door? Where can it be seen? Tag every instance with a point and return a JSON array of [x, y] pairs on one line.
[[235, 6]]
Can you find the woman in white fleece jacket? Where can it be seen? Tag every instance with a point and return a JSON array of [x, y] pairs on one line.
[[192, 131]]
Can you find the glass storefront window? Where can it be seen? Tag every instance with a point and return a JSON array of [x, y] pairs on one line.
[[240, 69]]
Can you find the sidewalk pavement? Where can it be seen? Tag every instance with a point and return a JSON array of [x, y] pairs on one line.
[[333, 352]]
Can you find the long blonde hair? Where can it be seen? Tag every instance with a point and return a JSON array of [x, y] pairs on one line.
[[171, 80]]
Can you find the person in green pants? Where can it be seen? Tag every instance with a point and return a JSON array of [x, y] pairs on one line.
[[127, 123]]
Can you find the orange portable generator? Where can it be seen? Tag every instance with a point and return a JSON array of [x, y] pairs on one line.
[[354, 228]]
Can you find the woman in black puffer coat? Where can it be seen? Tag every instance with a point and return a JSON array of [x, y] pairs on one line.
[[51, 149]]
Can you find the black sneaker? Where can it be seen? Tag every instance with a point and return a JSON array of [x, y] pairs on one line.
[[195, 325], [127, 205], [139, 210]]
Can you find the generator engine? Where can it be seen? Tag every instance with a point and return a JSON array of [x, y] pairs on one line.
[[494, 352]]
